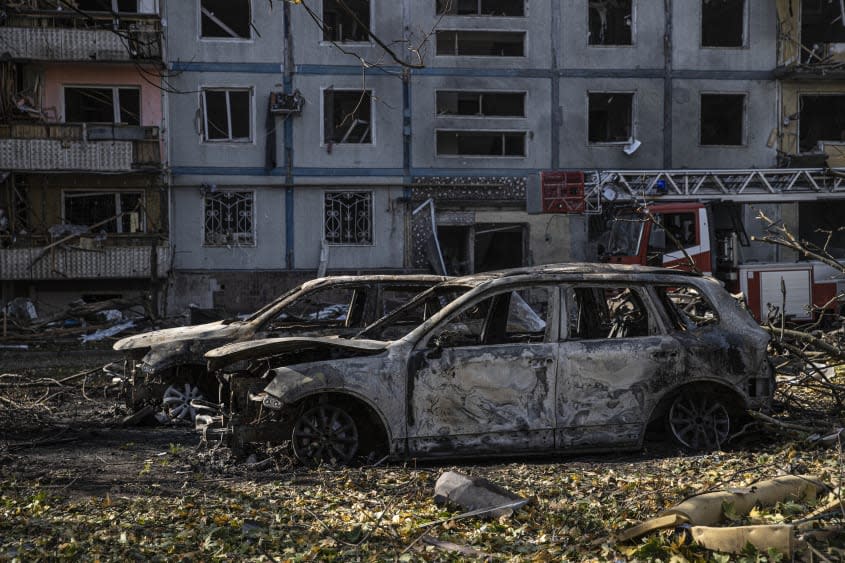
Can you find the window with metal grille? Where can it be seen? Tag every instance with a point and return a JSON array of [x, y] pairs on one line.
[[225, 19], [229, 218], [227, 114], [348, 217], [347, 116], [125, 209], [103, 104]]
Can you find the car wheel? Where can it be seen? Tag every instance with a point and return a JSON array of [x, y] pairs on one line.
[[177, 401], [325, 433], [699, 421]]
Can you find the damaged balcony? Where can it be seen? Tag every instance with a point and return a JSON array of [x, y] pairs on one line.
[[79, 147], [83, 260], [51, 35], [811, 39]]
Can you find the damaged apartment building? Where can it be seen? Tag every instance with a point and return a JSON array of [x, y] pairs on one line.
[[83, 206], [270, 142]]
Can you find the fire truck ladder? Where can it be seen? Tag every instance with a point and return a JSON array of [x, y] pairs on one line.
[[761, 185]]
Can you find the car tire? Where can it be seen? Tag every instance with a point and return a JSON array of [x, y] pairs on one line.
[[699, 421], [327, 433]]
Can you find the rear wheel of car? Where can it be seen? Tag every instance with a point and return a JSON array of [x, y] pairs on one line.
[[699, 421], [325, 433]]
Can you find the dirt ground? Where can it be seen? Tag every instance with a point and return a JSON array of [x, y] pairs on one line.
[[74, 483]]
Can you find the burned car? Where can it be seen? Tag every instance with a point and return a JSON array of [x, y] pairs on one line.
[[167, 366], [570, 357]]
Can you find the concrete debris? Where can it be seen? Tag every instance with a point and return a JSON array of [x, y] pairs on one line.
[[476, 494]]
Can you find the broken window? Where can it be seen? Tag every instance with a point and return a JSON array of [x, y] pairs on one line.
[[722, 23], [348, 217], [820, 224], [510, 8], [347, 116], [480, 143], [722, 119], [228, 115], [229, 218], [346, 21], [821, 118], [610, 117], [481, 247], [329, 306], [90, 208], [821, 24], [606, 312], [226, 19], [481, 43], [610, 22], [686, 307], [481, 104], [102, 105], [120, 6]]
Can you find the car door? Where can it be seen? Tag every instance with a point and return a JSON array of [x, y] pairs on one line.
[[483, 380], [615, 356]]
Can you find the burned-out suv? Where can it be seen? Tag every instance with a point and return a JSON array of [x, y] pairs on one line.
[[564, 357], [168, 365]]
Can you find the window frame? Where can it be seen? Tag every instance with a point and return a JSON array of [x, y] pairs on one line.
[[204, 114], [480, 92], [523, 56], [142, 216], [633, 135], [335, 145], [372, 218], [115, 97], [643, 291], [522, 132], [201, 37], [370, 25], [478, 13], [814, 94], [253, 224], [744, 134], [746, 28], [633, 42]]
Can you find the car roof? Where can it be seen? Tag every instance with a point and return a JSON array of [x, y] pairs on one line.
[[569, 270]]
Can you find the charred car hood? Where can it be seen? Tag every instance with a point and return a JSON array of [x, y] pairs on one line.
[[230, 353], [215, 330]]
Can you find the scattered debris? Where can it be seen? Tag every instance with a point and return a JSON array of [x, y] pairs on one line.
[[476, 494]]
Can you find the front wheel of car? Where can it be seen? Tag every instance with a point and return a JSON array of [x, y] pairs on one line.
[[699, 421], [325, 433]]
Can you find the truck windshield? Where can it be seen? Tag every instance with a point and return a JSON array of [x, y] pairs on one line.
[[625, 233]]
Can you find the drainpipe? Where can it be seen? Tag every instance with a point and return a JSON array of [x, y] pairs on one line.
[[667, 86], [288, 155]]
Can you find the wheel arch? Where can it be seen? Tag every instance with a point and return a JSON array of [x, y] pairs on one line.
[[735, 400], [370, 410]]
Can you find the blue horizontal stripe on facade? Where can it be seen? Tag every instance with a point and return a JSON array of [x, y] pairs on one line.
[[392, 70], [348, 172]]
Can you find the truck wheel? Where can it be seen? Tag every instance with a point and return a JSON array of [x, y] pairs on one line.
[[325, 433], [698, 421]]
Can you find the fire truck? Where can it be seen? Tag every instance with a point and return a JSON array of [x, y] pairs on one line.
[[683, 217]]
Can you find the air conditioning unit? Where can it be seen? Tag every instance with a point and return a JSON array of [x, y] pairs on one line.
[[286, 104]]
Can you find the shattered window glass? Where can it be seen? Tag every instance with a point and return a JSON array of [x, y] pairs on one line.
[[90, 208], [606, 312], [346, 21], [406, 318], [226, 19], [722, 119], [610, 117], [480, 43], [481, 104], [229, 219], [228, 115], [821, 118], [625, 234], [102, 105], [480, 143], [722, 23], [687, 307], [509, 8], [347, 116], [610, 22], [326, 306]]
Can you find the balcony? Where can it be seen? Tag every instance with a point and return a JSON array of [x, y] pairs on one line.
[[79, 148], [66, 36], [84, 260]]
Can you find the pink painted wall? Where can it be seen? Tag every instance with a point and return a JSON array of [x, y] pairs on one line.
[[56, 76]]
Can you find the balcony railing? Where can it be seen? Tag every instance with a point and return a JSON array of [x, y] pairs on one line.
[[78, 261], [79, 147], [69, 36]]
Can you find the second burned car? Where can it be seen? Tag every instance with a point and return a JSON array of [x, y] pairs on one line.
[[570, 357], [167, 366]]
